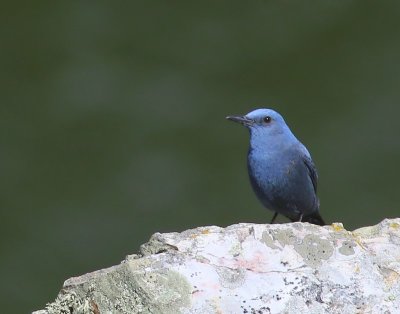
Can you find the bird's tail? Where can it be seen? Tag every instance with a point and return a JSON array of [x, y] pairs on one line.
[[314, 218]]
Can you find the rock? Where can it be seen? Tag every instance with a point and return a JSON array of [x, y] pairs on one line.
[[248, 268]]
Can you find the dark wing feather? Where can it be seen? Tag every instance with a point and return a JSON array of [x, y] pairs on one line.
[[312, 171], [315, 217]]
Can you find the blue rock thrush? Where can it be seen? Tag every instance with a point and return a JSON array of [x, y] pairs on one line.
[[281, 170]]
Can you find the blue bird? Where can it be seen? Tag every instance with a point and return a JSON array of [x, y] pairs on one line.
[[282, 173]]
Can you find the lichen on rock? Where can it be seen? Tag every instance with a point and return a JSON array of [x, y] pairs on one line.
[[248, 268]]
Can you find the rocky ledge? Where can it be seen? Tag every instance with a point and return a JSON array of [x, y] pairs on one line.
[[248, 268]]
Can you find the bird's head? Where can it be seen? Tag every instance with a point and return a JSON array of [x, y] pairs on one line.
[[267, 129], [266, 121]]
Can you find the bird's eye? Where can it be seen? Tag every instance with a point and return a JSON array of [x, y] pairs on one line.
[[267, 119]]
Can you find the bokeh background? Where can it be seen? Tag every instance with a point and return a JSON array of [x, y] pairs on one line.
[[112, 122]]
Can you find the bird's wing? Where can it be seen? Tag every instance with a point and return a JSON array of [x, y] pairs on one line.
[[312, 171]]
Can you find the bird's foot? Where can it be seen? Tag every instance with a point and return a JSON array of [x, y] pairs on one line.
[[301, 217], [273, 218]]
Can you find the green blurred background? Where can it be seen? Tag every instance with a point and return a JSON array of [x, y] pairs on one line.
[[112, 122]]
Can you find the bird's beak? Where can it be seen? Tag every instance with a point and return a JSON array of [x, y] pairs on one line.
[[241, 119]]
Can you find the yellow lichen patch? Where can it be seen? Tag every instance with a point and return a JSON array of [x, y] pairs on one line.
[[215, 302], [390, 276], [202, 232], [394, 225], [367, 232], [358, 241], [337, 226]]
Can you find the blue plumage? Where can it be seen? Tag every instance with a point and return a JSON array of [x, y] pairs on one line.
[[282, 173]]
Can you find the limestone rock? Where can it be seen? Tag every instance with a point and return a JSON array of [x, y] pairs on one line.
[[248, 268]]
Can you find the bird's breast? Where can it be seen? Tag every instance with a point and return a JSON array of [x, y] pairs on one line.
[[275, 172], [264, 169]]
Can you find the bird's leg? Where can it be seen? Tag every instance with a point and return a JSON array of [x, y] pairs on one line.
[[273, 218], [301, 217]]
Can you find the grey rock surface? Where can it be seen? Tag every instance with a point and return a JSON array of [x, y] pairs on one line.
[[248, 268]]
